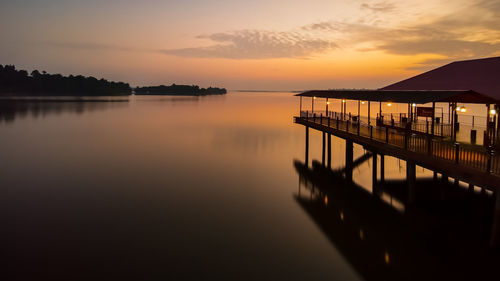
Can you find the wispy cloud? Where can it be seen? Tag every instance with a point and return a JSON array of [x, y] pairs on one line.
[[257, 44], [461, 35], [325, 26], [93, 46], [379, 7], [452, 48]]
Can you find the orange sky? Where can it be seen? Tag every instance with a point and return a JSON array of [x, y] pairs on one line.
[[283, 45]]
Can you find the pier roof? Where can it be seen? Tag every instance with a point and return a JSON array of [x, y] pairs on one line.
[[478, 75], [470, 81], [403, 96]]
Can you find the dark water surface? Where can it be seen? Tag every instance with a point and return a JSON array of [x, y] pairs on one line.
[[188, 188]]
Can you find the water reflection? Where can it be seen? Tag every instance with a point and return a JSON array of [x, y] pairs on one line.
[[157, 191], [443, 236], [13, 108]]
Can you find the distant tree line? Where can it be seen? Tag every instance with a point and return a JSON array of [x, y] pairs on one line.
[[19, 82], [179, 90]]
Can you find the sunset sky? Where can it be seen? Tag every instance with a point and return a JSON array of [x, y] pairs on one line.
[[259, 44]]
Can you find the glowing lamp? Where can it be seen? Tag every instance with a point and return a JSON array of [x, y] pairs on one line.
[[414, 105], [314, 97], [362, 102], [389, 104], [463, 109], [327, 103], [458, 108], [493, 112], [343, 100]]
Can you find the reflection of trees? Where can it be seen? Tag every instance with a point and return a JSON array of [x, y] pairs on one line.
[[14, 81], [12, 109]]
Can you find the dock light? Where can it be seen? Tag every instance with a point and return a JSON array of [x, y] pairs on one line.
[[343, 100], [389, 104], [414, 105], [493, 112], [458, 108], [463, 109], [362, 102], [327, 103], [314, 97]]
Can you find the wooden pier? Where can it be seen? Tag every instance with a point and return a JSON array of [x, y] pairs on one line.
[[475, 165], [432, 147]]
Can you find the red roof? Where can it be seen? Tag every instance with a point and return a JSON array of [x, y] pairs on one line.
[[479, 75]]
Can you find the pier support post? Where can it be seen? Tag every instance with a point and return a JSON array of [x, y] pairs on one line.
[[307, 146], [443, 186], [323, 151], [411, 179], [374, 174], [312, 104], [444, 178], [348, 159], [433, 116], [369, 114], [329, 151], [382, 168], [495, 230]]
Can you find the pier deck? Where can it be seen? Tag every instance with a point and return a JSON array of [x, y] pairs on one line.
[[475, 165]]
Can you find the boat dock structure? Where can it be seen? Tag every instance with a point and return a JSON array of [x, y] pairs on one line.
[[430, 133]]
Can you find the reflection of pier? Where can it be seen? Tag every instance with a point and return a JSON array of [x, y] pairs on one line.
[[443, 237]]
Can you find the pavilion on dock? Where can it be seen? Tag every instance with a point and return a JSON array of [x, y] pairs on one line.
[[420, 135], [453, 87]]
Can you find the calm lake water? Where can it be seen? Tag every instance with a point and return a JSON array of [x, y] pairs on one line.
[[189, 188]]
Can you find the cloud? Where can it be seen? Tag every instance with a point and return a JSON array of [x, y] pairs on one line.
[[255, 44], [93, 46], [452, 48], [470, 32], [425, 39], [379, 7], [324, 26], [429, 64]]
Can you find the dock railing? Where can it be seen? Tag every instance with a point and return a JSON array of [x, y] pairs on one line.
[[396, 121], [476, 157], [440, 129]]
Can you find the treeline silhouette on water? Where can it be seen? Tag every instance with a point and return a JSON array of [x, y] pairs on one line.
[[179, 90], [19, 82]]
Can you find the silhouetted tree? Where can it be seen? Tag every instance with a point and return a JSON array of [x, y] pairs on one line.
[[14, 81], [179, 90]]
